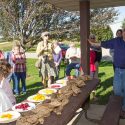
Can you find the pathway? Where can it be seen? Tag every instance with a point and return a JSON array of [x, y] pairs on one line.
[[95, 111]]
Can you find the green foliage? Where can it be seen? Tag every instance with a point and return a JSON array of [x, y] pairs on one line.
[[123, 24], [102, 33], [26, 19]]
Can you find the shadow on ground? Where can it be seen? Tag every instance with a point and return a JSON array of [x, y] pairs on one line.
[[31, 90], [105, 63], [104, 90]]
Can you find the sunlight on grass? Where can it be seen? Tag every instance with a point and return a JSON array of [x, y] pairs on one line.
[[7, 46], [103, 91], [106, 76]]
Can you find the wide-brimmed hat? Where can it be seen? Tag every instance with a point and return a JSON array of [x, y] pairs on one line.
[[45, 33]]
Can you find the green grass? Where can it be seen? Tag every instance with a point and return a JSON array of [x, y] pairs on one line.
[[106, 75], [7, 46], [103, 91]]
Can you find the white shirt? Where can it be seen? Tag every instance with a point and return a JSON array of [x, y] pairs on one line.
[[73, 52], [5, 85], [57, 50], [5, 103]]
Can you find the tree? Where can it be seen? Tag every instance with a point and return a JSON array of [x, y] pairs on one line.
[[26, 19], [123, 24], [102, 33]]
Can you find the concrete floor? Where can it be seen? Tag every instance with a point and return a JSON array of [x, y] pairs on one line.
[[95, 112]]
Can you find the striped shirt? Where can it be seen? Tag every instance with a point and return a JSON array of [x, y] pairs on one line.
[[19, 61]]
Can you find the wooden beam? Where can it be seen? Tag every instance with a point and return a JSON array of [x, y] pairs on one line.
[[73, 5], [84, 34]]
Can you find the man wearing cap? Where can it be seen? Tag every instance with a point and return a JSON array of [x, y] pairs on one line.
[[118, 44]]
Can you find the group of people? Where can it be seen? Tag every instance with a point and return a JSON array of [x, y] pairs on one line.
[[50, 56], [118, 46], [73, 54], [49, 59], [12, 67]]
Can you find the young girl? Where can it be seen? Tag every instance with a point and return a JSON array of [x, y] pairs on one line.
[[5, 69], [19, 69], [5, 103]]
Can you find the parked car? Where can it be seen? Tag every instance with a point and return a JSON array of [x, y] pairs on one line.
[[64, 48]]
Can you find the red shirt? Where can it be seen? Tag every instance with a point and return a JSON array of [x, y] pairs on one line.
[[92, 61]]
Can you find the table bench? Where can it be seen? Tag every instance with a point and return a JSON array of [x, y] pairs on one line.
[[111, 115], [75, 102]]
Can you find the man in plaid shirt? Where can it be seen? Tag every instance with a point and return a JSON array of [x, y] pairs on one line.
[[19, 68]]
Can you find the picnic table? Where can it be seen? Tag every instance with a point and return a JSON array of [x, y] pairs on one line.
[[75, 102]]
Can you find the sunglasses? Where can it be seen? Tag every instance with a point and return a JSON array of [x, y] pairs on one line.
[[46, 35], [92, 38]]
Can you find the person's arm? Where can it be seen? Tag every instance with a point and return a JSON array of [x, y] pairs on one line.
[[23, 60], [13, 58], [94, 44], [109, 44], [39, 49], [60, 57], [67, 54]]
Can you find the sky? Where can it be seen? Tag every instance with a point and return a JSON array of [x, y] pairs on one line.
[[117, 24]]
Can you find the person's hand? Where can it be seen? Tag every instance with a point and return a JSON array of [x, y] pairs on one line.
[[56, 64], [73, 57], [90, 42], [94, 43]]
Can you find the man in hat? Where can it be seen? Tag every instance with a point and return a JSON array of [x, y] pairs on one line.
[[47, 66]]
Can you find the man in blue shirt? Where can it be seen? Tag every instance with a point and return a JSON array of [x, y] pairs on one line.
[[118, 44]]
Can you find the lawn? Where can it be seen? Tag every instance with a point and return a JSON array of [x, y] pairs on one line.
[[103, 91], [7, 46]]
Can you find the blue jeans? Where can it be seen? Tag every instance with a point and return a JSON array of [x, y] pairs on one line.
[[20, 76], [72, 66], [119, 84], [57, 72], [12, 77]]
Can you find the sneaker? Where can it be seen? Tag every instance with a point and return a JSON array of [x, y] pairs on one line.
[[23, 93], [16, 94]]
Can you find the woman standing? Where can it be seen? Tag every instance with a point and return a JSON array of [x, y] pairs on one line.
[[57, 56], [98, 54], [44, 53]]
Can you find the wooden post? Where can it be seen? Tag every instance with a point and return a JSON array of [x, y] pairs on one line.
[[84, 35]]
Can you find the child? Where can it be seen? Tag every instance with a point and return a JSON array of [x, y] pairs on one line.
[[5, 103], [19, 68], [4, 83]]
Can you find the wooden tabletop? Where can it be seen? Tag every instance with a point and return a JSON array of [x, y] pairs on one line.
[[70, 109]]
